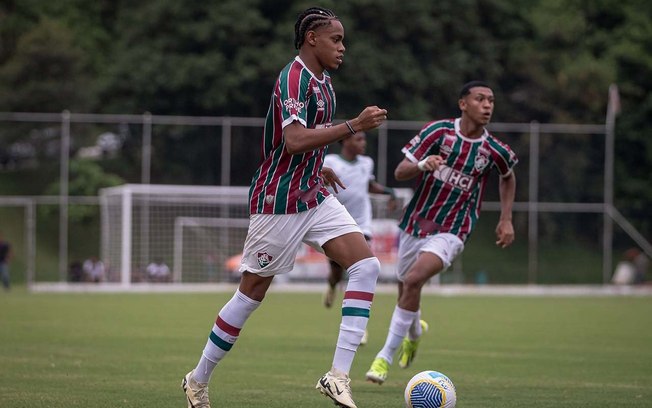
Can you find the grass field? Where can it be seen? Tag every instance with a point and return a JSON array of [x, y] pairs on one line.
[[131, 350]]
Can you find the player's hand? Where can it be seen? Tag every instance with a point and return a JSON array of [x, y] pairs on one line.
[[330, 179], [392, 204], [431, 163], [370, 118], [504, 233]]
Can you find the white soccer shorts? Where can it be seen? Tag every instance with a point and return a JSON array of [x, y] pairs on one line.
[[445, 246], [273, 240]]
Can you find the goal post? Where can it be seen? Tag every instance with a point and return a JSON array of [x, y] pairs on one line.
[[199, 233]]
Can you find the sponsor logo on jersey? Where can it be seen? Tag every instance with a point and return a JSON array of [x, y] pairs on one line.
[[264, 259], [454, 178], [320, 104], [292, 104]]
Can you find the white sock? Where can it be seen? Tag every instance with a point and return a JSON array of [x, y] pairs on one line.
[[356, 307], [398, 329], [225, 332], [415, 328]]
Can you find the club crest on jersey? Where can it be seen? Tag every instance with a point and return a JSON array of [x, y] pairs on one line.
[[481, 162], [292, 104], [264, 259]]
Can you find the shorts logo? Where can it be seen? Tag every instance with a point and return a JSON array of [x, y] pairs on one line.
[[264, 259], [292, 104]]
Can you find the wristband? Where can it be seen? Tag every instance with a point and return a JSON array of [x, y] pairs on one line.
[[390, 191], [422, 164], [350, 127]]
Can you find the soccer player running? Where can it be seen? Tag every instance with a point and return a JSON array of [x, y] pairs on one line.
[[290, 204], [452, 160], [356, 171]]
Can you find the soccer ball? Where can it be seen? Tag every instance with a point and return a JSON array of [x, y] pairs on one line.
[[430, 389]]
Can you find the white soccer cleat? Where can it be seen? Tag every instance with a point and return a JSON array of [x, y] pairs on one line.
[[337, 389], [196, 393]]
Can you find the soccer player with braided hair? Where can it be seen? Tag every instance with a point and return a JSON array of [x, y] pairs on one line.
[[290, 204]]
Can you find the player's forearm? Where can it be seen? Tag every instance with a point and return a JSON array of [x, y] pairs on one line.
[[377, 188], [406, 170], [507, 191], [299, 139]]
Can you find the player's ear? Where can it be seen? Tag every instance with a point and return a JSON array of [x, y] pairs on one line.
[[311, 37]]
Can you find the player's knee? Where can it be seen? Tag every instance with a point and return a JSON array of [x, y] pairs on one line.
[[369, 267]]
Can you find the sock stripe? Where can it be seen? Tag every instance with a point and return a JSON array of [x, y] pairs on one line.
[[355, 311], [227, 328], [356, 294], [220, 343]]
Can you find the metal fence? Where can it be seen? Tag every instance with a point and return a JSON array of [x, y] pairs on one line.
[[528, 139]]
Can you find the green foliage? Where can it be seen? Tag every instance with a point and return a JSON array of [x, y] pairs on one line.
[[86, 179], [550, 60], [45, 73]]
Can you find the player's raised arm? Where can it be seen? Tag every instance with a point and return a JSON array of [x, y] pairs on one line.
[[408, 169], [299, 139]]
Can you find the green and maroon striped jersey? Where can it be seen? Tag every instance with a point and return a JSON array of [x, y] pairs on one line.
[[449, 199], [285, 183]]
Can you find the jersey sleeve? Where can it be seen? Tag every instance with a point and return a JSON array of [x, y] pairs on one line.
[[504, 158], [292, 94], [369, 168], [425, 143]]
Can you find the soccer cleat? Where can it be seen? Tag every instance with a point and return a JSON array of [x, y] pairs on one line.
[[337, 389], [378, 371], [329, 297], [196, 393], [365, 338], [408, 349]]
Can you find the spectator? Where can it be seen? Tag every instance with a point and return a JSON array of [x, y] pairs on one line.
[[158, 271], [93, 270], [5, 257], [76, 272], [632, 269]]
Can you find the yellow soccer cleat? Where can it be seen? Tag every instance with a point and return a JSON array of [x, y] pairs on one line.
[[408, 349]]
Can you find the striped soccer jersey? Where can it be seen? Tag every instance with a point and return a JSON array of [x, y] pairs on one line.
[[285, 183], [449, 199]]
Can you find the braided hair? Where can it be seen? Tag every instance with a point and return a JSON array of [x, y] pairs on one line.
[[311, 19]]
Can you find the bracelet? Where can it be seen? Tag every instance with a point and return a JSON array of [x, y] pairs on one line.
[[350, 127], [422, 164]]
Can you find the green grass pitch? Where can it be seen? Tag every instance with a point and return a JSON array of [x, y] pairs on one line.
[[131, 350]]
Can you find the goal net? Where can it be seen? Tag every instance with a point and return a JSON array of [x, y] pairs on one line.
[[198, 233]]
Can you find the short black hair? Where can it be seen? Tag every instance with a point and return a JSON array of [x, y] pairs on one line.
[[310, 19], [466, 88]]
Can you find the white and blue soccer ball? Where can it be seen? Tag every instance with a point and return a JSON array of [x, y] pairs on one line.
[[430, 389]]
